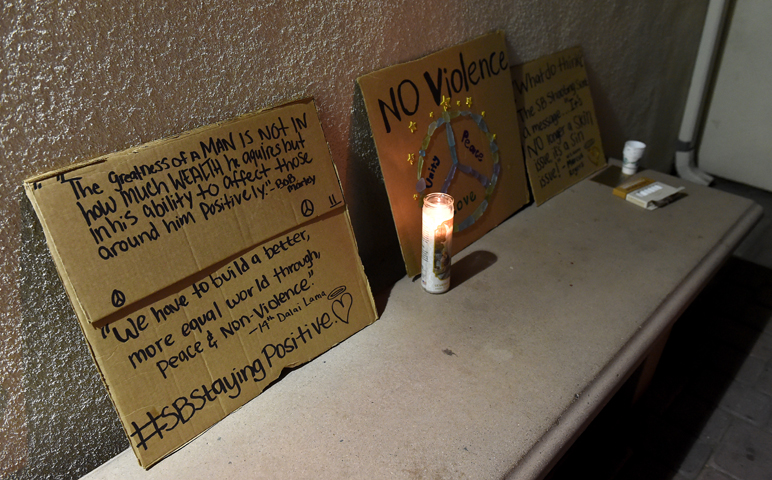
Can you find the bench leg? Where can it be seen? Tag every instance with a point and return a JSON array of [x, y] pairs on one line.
[[649, 365]]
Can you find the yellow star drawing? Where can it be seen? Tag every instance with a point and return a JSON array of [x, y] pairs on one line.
[[482, 114], [412, 127], [458, 103], [415, 196], [431, 114], [411, 158], [469, 101], [445, 103]]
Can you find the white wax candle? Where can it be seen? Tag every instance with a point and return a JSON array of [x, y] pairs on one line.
[[436, 242]]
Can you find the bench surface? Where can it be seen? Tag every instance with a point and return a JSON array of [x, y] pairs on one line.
[[549, 313]]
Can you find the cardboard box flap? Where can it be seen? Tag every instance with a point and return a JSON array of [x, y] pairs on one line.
[[129, 224]]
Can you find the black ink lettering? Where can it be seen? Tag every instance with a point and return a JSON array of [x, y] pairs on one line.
[[218, 145], [79, 190], [435, 87], [401, 100], [299, 124], [393, 109], [98, 210]]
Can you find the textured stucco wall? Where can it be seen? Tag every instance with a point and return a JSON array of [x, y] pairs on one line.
[[83, 78]]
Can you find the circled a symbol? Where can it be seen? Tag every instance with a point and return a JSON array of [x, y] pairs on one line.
[[307, 208], [119, 298]]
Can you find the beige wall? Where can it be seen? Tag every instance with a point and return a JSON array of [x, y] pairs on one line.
[[80, 79]]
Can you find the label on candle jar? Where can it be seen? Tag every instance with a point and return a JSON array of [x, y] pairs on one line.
[[436, 242]]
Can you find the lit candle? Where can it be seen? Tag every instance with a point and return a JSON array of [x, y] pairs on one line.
[[437, 237]]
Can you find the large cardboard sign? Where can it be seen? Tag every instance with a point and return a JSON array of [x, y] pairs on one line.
[[559, 132], [447, 122], [234, 243], [157, 206]]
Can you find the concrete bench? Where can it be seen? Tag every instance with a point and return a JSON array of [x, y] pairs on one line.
[[549, 314]]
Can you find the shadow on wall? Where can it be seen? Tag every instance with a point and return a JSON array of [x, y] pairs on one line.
[[72, 426], [371, 215], [612, 135]]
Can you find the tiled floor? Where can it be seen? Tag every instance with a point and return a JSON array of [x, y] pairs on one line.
[[708, 412]]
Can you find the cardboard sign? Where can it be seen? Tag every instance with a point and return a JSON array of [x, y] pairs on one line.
[[126, 225], [559, 132], [447, 122], [228, 312]]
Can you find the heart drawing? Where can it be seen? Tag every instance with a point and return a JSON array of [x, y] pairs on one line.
[[341, 307]]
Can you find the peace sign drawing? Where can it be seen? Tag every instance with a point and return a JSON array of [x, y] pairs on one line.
[[487, 182]]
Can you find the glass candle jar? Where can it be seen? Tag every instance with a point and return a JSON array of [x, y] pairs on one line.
[[436, 242]]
